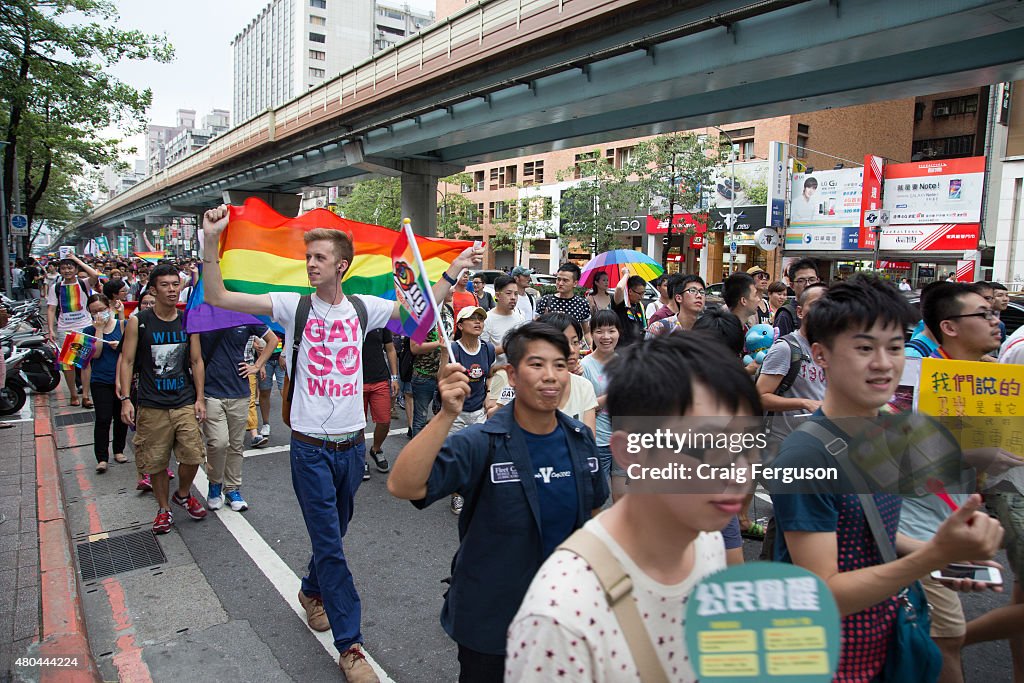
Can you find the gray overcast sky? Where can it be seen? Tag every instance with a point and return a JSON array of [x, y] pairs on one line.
[[201, 31]]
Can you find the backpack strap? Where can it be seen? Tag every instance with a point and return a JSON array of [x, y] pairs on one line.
[[360, 307], [796, 360], [301, 316], [919, 346], [618, 591]]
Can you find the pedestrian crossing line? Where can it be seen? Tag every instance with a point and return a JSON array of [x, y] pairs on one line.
[[248, 453], [277, 571]]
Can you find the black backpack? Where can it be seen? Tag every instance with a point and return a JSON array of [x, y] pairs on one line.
[[797, 358]]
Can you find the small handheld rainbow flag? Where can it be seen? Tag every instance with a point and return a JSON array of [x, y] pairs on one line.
[[412, 288], [150, 256], [77, 350]]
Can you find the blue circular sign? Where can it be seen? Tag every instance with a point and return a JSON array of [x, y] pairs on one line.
[[19, 221]]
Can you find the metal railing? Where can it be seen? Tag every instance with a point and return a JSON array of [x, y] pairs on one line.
[[374, 78]]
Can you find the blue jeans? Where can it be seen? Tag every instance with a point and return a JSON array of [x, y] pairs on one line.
[[423, 390], [325, 483]]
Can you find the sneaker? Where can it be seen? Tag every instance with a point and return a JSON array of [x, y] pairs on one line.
[[163, 522], [259, 441], [170, 473], [191, 505], [144, 484], [238, 503], [316, 617], [214, 499], [265, 430], [366, 471], [457, 503], [355, 667], [400, 401], [380, 461]]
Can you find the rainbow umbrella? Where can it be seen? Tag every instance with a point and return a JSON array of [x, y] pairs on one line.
[[611, 262]]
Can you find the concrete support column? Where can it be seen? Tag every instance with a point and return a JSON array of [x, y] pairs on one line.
[[419, 202]]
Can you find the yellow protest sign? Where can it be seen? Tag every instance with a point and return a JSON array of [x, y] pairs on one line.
[[982, 404]]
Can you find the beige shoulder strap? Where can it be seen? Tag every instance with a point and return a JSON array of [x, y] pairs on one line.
[[618, 590]]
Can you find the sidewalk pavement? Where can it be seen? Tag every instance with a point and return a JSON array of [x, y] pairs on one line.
[[44, 637]]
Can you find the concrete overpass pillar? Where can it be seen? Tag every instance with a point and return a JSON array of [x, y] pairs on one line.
[[419, 202], [286, 204]]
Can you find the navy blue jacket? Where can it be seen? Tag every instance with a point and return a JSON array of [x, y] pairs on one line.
[[499, 529]]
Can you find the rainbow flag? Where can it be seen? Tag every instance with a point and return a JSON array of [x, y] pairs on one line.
[[77, 350], [262, 251], [71, 297], [150, 256], [412, 289]]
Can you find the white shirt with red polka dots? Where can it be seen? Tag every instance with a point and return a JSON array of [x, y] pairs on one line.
[[565, 631]]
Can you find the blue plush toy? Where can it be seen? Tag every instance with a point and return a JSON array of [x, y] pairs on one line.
[[759, 339]]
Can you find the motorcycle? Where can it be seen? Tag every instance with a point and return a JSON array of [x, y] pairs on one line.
[[13, 395], [39, 366]]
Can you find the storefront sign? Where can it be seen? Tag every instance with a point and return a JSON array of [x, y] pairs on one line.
[[822, 239], [870, 201], [945, 191], [778, 180], [680, 222], [827, 198], [946, 237], [747, 218], [964, 271]]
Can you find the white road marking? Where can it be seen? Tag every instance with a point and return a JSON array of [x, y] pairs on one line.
[[280, 575], [248, 453]]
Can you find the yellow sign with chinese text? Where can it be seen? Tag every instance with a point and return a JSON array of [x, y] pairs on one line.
[[980, 402]]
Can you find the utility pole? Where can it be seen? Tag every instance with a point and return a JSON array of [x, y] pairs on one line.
[[5, 256], [731, 222]]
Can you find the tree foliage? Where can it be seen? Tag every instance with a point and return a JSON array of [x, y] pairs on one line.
[[377, 201], [676, 173], [604, 195], [456, 214], [57, 99]]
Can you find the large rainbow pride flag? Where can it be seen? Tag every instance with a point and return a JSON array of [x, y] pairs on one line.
[[262, 251]]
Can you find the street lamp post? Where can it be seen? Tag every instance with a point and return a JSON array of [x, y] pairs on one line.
[[5, 256], [731, 221]]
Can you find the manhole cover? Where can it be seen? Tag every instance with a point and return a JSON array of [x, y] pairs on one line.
[[74, 418], [109, 556]]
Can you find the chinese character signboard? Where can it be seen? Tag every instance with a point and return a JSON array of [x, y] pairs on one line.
[[929, 192], [778, 177], [870, 201], [763, 622], [946, 237]]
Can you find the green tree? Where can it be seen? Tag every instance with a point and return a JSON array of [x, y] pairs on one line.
[[377, 201], [604, 195], [456, 214], [57, 100], [676, 174], [517, 221]]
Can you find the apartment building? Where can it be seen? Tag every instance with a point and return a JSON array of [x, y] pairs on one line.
[[295, 45], [823, 140]]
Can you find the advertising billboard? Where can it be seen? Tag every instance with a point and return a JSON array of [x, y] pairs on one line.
[[870, 201], [826, 199], [778, 178], [945, 237], [930, 192], [822, 239]]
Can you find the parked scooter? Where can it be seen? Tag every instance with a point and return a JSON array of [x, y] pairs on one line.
[[13, 395]]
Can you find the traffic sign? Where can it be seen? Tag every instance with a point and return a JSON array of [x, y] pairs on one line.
[[19, 224], [733, 247]]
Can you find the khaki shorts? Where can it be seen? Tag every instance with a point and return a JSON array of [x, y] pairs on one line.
[[947, 610], [1009, 509], [158, 430]]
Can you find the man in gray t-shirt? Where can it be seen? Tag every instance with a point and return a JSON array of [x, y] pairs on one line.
[[808, 389]]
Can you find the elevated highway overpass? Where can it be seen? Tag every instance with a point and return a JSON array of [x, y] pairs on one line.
[[505, 78]]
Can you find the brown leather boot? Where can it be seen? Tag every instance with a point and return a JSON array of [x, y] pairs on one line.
[[316, 617], [355, 667]]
